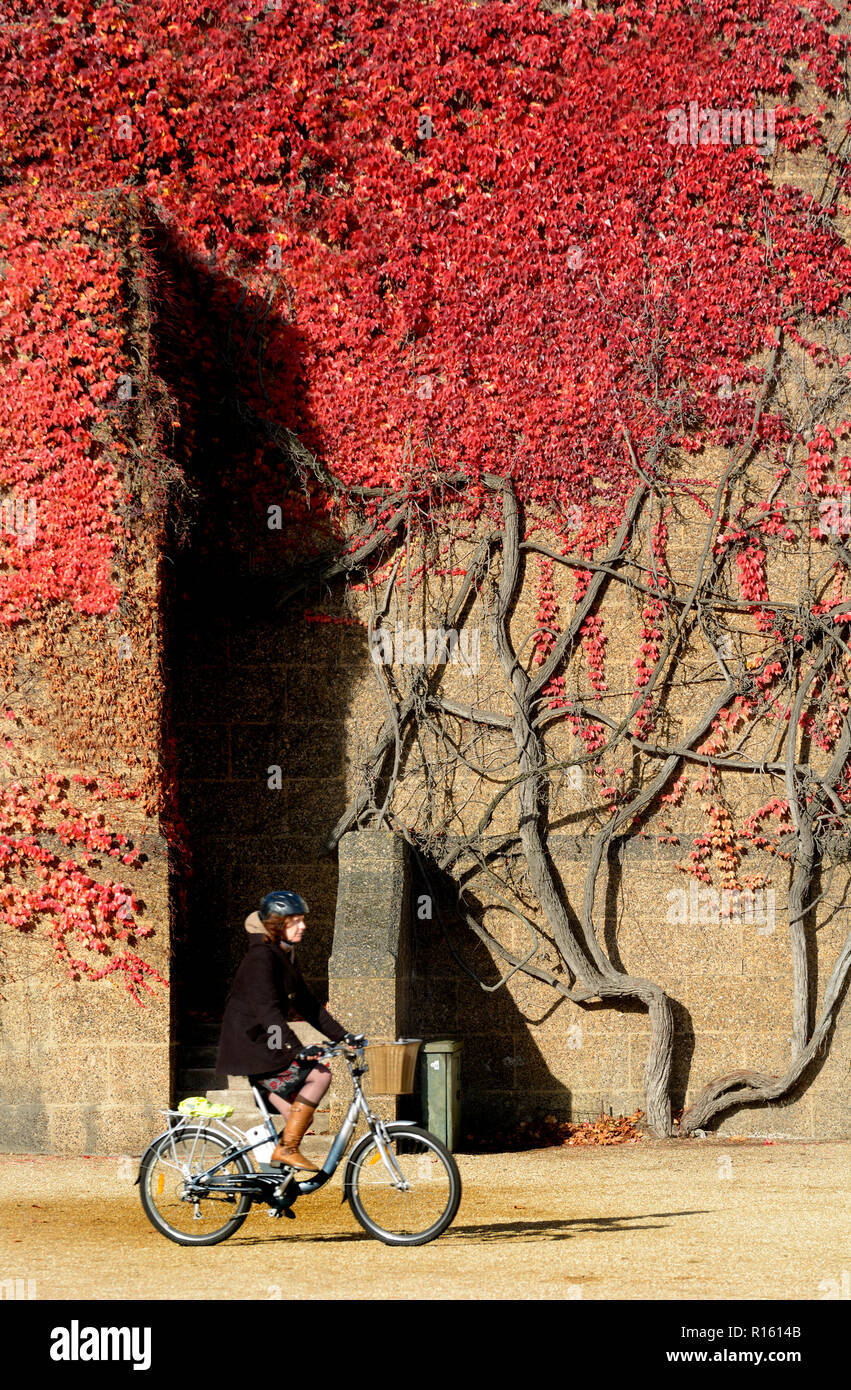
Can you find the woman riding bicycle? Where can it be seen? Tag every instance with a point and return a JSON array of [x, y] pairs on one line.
[[256, 1040]]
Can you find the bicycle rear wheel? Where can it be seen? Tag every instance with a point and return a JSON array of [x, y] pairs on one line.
[[411, 1207], [163, 1174]]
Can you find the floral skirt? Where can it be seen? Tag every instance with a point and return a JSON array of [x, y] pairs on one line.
[[288, 1082]]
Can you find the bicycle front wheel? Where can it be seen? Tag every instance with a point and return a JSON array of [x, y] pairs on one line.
[[414, 1199], [164, 1172]]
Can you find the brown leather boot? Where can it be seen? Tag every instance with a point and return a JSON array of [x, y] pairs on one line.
[[298, 1122]]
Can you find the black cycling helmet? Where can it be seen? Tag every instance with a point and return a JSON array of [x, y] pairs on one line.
[[282, 903]]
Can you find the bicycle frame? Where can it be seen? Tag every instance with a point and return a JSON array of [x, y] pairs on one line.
[[281, 1188]]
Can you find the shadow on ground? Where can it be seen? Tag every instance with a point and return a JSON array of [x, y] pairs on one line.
[[499, 1230]]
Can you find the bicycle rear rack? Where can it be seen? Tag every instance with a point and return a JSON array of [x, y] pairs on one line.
[[268, 1186]]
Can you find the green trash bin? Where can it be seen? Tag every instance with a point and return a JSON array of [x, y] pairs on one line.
[[440, 1089]]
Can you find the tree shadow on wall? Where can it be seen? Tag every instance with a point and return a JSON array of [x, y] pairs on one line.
[[258, 692], [505, 1077]]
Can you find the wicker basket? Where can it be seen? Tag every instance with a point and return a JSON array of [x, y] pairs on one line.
[[392, 1067]]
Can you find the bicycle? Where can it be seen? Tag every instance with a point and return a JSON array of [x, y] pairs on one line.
[[401, 1182]]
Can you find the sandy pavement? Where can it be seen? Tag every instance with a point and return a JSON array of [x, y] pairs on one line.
[[710, 1219]]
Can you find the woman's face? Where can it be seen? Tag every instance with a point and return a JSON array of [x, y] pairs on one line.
[[294, 928]]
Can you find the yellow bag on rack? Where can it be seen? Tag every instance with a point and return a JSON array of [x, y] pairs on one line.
[[195, 1106]]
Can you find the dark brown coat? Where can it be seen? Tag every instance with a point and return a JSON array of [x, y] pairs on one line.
[[268, 988]]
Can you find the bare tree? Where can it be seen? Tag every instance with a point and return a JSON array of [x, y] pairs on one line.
[[781, 650]]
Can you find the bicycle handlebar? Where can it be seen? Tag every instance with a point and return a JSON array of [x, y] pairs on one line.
[[334, 1049]]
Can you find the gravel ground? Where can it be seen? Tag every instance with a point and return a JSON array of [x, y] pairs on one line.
[[710, 1219]]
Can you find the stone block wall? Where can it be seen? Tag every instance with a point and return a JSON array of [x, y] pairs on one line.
[[84, 1069], [528, 1052], [369, 969]]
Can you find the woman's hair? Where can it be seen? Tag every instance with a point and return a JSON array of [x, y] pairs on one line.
[[276, 928]]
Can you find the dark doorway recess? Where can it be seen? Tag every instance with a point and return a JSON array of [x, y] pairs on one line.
[[252, 686]]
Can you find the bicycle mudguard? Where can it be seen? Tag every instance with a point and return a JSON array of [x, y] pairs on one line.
[[164, 1135]]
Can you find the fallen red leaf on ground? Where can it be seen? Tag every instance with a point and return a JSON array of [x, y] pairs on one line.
[[551, 1132]]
